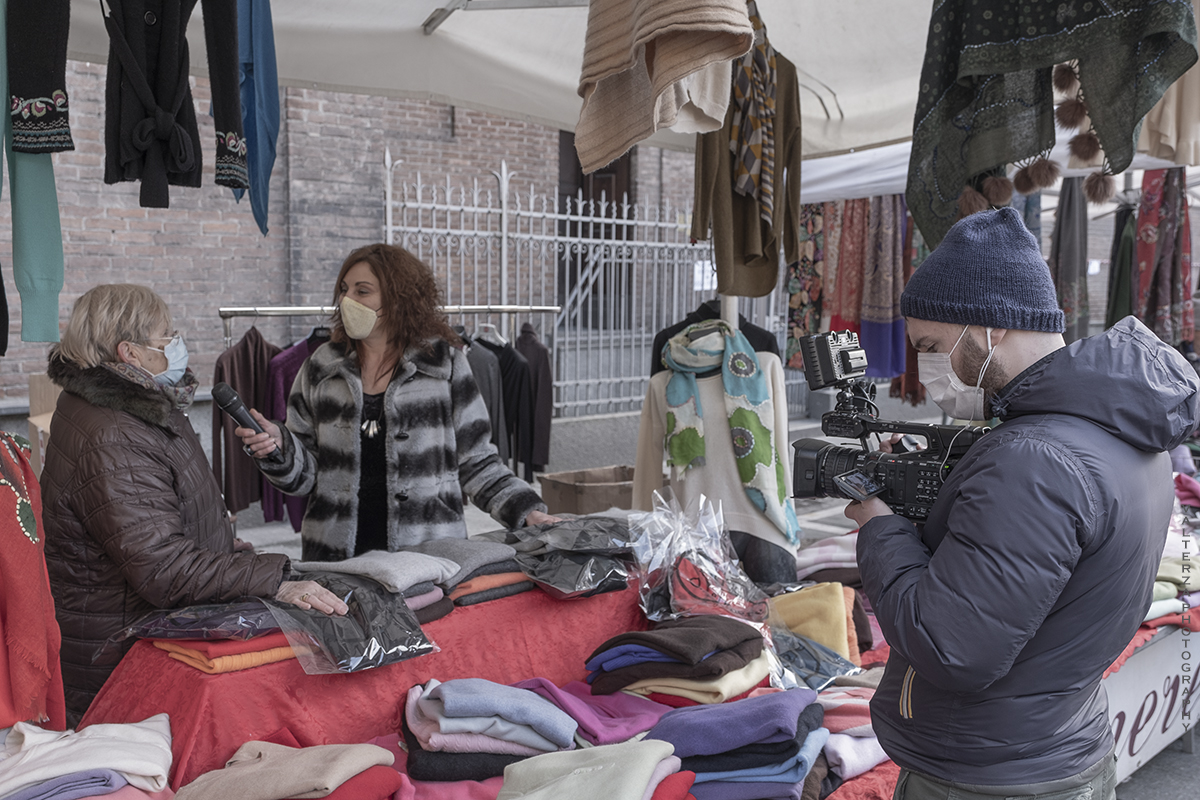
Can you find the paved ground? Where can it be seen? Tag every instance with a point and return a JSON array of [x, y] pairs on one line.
[[1171, 775]]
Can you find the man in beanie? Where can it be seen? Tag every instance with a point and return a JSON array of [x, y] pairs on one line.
[[1036, 564]]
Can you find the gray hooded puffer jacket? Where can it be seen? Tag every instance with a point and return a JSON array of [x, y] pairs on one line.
[[1034, 569]]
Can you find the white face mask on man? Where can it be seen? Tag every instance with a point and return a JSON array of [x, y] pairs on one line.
[[945, 388]]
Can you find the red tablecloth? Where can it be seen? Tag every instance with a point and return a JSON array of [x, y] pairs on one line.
[[507, 640]]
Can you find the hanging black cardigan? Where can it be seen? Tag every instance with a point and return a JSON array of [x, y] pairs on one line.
[[150, 131]]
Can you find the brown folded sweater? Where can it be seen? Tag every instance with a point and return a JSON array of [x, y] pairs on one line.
[[689, 639], [720, 663]]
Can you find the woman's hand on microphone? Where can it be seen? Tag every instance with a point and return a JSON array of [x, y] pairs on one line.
[[260, 445]]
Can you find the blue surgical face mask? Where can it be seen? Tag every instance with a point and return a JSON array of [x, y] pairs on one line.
[[177, 360]]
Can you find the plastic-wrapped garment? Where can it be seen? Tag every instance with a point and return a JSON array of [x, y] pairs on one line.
[[378, 629], [810, 661], [601, 535], [686, 563], [565, 576], [244, 619]]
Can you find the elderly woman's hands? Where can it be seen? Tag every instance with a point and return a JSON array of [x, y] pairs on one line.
[[540, 518], [260, 445], [310, 594]]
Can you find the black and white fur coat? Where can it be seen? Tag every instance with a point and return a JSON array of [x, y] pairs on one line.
[[438, 448]]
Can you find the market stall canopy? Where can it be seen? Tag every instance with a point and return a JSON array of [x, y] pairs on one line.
[[858, 61]]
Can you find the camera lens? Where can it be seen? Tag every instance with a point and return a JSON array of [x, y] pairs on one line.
[[817, 463]]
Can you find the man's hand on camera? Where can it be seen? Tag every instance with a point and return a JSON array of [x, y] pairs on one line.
[[885, 445], [864, 510]]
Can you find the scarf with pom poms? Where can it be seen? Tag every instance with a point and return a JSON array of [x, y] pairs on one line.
[[987, 89]]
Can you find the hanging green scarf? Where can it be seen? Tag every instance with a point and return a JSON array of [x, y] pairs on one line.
[[705, 347]]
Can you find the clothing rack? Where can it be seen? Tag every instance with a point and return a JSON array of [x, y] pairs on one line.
[[228, 313]]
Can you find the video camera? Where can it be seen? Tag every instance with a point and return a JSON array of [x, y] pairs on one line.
[[907, 481]]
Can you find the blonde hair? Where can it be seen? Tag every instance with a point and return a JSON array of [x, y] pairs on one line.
[[106, 315]]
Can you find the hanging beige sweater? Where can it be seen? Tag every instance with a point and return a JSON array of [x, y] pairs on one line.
[[634, 52], [1171, 130], [746, 248], [718, 478]]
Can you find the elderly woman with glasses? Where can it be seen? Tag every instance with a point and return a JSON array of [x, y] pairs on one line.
[[133, 517]]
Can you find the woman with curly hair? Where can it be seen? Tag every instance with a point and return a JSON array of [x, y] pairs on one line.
[[386, 429]]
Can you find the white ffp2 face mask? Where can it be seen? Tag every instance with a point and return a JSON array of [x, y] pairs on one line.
[[357, 319], [945, 388]]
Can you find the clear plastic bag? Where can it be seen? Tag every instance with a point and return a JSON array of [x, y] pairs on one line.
[[812, 662], [601, 535], [243, 619], [686, 563], [378, 629], [566, 576]]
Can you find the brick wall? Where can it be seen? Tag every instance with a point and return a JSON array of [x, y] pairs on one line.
[[205, 251], [202, 252], [664, 178]]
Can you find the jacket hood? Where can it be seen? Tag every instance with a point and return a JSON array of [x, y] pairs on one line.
[[1125, 380], [106, 389]]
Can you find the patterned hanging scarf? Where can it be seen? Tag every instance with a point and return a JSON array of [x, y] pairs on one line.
[[752, 138], [181, 394], [705, 347]]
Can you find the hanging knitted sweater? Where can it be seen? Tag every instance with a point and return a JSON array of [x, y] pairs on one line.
[[150, 131], [37, 70]]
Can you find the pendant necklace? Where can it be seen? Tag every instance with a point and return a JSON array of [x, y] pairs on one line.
[[370, 427]]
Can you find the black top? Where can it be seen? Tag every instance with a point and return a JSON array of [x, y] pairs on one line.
[[761, 339], [372, 481]]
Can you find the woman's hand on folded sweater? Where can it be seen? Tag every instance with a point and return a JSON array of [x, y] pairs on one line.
[[310, 594]]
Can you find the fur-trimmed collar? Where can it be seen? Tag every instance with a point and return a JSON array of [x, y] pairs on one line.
[[103, 388]]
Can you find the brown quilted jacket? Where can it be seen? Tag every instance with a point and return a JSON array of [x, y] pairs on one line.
[[134, 520]]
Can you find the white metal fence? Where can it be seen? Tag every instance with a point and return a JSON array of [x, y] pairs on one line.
[[619, 272]]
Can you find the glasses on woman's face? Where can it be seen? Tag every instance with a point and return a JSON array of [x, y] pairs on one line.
[[168, 338]]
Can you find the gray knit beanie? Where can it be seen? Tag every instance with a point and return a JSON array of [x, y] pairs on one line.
[[988, 271]]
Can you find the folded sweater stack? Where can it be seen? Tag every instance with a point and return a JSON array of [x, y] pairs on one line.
[[602, 719], [627, 770], [704, 659], [99, 759], [852, 748], [759, 747], [471, 729]]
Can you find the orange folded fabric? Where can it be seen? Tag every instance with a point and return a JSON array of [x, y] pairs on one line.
[[851, 630], [229, 663], [484, 582], [215, 648]]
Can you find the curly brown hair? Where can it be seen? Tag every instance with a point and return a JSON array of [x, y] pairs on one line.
[[412, 302]]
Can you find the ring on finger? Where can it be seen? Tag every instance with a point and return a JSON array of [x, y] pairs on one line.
[[304, 597]]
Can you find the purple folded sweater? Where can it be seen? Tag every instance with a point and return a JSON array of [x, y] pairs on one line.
[[603, 719], [706, 730]]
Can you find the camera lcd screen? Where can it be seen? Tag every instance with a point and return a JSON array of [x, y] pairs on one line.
[[858, 485]]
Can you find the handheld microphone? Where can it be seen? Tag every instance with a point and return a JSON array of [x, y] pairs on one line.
[[232, 405]]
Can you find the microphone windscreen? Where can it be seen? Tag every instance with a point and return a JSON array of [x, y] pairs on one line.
[[224, 394]]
